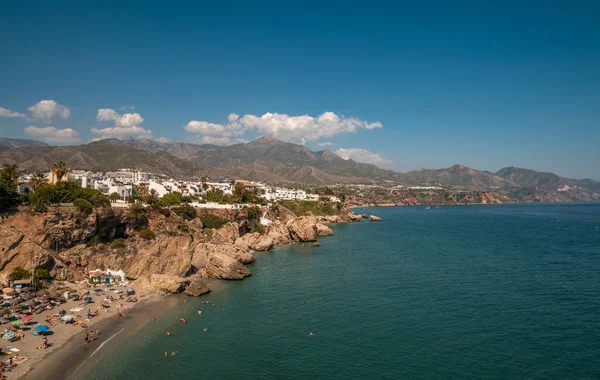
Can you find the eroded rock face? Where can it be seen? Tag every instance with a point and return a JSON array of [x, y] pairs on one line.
[[279, 232], [374, 218], [226, 268], [17, 250], [303, 228], [255, 241], [196, 287], [227, 234], [323, 230], [169, 284], [330, 219]]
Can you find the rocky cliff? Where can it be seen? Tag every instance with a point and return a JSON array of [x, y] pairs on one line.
[[149, 244]]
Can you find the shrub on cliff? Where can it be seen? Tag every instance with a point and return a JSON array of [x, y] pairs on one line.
[[137, 216], [185, 211], [213, 221], [172, 199], [147, 234], [83, 206], [117, 243], [19, 274]]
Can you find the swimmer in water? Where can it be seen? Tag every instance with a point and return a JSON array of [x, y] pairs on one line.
[[199, 311], [166, 354], [168, 333], [205, 329], [173, 353], [311, 334]]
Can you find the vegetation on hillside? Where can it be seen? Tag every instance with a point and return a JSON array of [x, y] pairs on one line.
[[213, 221], [314, 207]]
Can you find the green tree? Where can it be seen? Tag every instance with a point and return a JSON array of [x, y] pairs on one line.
[[60, 169], [9, 197], [151, 198], [85, 207], [114, 197], [239, 191], [172, 199], [185, 211], [19, 274]]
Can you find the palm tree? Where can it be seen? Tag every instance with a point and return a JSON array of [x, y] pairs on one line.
[[141, 190], [60, 169], [37, 181], [12, 170], [152, 197]]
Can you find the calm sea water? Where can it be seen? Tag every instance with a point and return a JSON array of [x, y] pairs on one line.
[[477, 292]]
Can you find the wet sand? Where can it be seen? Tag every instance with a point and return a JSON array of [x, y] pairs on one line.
[[69, 360]]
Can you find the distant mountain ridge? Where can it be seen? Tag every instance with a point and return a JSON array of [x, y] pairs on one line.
[[271, 160], [6, 143]]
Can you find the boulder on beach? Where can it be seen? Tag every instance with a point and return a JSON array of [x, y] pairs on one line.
[[197, 287], [374, 218], [169, 284], [224, 267]]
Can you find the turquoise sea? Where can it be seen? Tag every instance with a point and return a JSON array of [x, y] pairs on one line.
[[470, 292]]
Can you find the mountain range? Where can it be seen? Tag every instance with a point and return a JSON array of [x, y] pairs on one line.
[[274, 161]]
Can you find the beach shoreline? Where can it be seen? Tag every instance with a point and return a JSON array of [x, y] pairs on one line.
[[68, 357]]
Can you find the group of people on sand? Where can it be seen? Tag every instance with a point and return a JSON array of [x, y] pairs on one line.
[[44, 344], [90, 337]]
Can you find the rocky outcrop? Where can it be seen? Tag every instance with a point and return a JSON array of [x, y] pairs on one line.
[[303, 228], [196, 287], [374, 218], [323, 230], [227, 234], [17, 250], [330, 219], [224, 267], [255, 242], [203, 251], [169, 284], [279, 233]]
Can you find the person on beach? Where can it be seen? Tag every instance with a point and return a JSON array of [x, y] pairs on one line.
[[87, 337], [185, 300], [92, 336], [97, 332]]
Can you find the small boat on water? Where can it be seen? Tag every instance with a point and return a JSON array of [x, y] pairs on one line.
[[427, 208]]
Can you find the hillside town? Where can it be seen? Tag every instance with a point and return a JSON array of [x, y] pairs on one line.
[[124, 185]]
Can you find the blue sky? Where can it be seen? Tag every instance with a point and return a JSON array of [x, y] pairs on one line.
[[508, 84]]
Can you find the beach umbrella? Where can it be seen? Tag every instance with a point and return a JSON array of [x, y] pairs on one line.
[[17, 323], [26, 318], [41, 328], [9, 335], [68, 318]]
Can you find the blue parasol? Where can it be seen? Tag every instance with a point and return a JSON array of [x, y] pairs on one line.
[[41, 328]]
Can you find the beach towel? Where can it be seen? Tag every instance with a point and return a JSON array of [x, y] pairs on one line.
[[19, 359]]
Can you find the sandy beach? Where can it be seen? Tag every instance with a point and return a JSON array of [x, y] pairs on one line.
[[67, 348]]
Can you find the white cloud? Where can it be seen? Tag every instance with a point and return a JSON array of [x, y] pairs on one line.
[[362, 155], [241, 141], [48, 110], [8, 113], [125, 125], [120, 132], [327, 143], [304, 128], [53, 135], [125, 108], [212, 140], [289, 128]]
